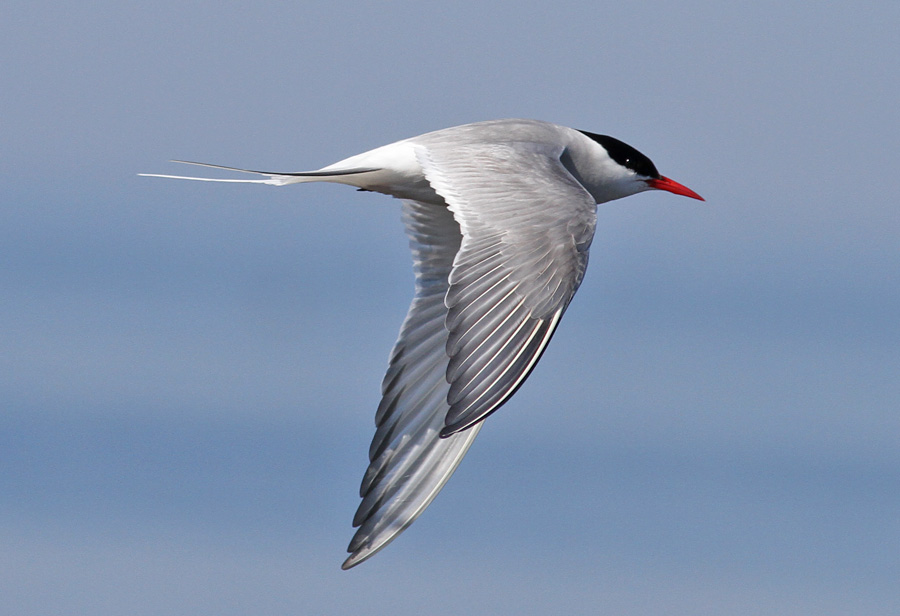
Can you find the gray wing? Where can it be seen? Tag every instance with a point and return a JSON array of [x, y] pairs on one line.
[[527, 224], [409, 461]]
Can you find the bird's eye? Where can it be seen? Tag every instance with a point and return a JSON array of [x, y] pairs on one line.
[[625, 155]]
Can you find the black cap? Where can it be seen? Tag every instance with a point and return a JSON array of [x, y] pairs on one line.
[[625, 155]]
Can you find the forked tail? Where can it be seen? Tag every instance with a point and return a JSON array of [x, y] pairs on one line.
[[274, 179]]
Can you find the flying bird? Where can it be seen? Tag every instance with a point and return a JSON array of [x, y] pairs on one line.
[[500, 216]]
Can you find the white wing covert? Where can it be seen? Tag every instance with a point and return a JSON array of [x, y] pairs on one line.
[[525, 240]]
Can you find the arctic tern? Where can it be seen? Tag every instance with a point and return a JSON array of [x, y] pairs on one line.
[[500, 216]]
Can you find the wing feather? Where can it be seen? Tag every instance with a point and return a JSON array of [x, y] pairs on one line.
[[526, 224], [495, 271], [409, 461]]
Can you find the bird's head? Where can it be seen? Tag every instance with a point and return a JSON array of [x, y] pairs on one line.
[[627, 172]]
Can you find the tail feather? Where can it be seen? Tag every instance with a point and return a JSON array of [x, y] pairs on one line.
[[274, 178]]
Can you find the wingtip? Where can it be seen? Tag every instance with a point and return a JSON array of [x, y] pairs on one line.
[[460, 426], [448, 431], [465, 424], [356, 558]]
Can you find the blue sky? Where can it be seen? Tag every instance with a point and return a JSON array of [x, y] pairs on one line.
[[190, 372]]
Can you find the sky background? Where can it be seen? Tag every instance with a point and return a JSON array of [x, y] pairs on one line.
[[189, 372]]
